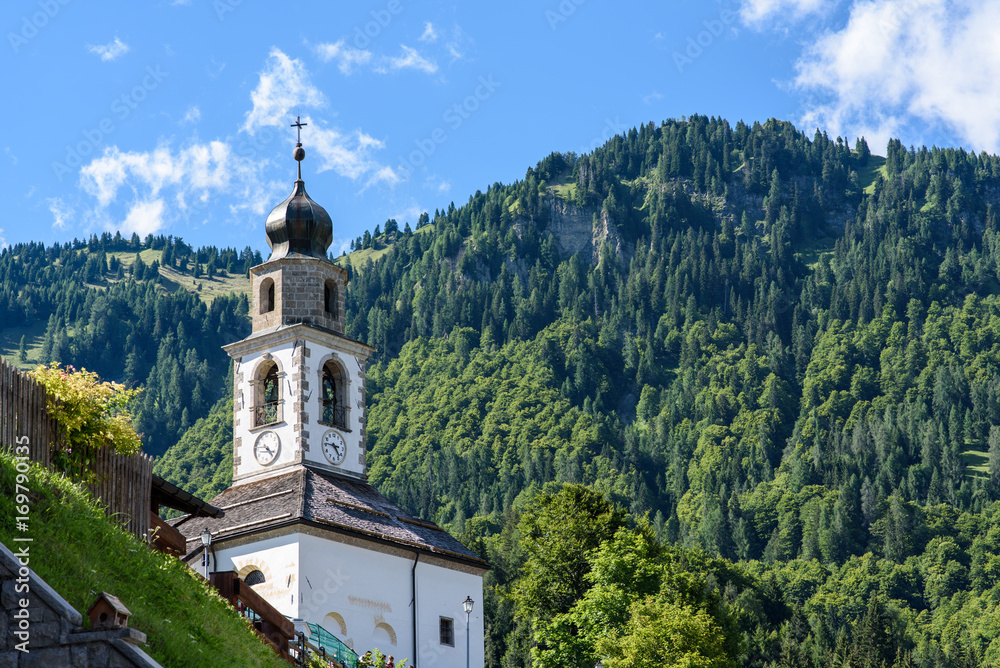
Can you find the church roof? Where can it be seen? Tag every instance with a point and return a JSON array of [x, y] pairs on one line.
[[337, 503]]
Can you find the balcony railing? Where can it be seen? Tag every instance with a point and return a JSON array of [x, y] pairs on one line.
[[266, 620], [268, 413], [335, 415]]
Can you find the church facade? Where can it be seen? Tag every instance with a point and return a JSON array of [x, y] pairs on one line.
[[302, 524]]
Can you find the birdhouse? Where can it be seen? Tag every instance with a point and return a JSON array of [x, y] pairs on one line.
[[107, 612]]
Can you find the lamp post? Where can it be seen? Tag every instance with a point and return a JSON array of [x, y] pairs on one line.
[[206, 540], [467, 606]]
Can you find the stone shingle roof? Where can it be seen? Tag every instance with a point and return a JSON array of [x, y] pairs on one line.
[[338, 503]]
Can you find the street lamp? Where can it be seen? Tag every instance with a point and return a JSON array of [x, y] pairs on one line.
[[467, 606], [206, 540]]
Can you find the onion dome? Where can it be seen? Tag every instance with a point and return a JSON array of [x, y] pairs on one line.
[[299, 226]]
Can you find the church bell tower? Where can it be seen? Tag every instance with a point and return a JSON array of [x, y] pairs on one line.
[[299, 386]]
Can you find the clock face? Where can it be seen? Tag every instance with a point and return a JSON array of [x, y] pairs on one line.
[[266, 447], [334, 447]]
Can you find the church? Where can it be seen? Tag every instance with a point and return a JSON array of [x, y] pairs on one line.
[[302, 525]]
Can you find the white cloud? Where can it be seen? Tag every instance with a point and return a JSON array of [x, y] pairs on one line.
[[283, 84], [199, 167], [756, 12], [190, 179], [13, 158], [411, 59], [111, 50], [652, 97], [3, 240], [386, 175], [347, 57], [899, 61], [193, 115], [60, 212], [347, 155], [145, 217], [430, 34], [435, 182], [459, 44]]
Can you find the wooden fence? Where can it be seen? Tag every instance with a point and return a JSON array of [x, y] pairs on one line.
[[123, 483]]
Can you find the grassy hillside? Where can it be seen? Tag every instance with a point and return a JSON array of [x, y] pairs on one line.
[[79, 553], [357, 259]]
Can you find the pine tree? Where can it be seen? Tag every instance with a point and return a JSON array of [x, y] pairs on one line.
[[22, 351], [994, 442]]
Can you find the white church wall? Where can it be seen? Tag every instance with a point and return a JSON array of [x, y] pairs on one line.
[[369, 590], [278, 559], [440, 592]]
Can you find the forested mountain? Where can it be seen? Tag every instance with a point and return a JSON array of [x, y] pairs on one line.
[[116, 306], [782, 350]]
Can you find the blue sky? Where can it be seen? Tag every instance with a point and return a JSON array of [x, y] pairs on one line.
[[173, 116]]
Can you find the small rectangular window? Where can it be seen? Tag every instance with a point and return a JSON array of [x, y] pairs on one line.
[[447, 632]]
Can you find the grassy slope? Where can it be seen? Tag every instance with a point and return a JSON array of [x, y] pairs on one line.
[[866, 178], [357, 259], [79, 553]]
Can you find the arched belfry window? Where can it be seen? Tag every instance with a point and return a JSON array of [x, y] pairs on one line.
[[267, 409], [267, 295], [334, 396], [330, 297]]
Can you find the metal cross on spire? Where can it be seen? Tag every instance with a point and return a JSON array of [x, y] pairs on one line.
[[300, 153], [298, 125]]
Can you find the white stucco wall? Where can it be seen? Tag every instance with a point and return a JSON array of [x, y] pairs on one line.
[[279, 559], [371, 591]]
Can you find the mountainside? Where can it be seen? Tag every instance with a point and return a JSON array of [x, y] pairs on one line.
[[783, 350], [151, 313]]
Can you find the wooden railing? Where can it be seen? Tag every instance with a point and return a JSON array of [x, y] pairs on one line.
[[165, 538], [122, 483], [274, 627]]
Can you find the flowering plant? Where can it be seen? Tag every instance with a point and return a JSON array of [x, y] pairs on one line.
[[91, 414]]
